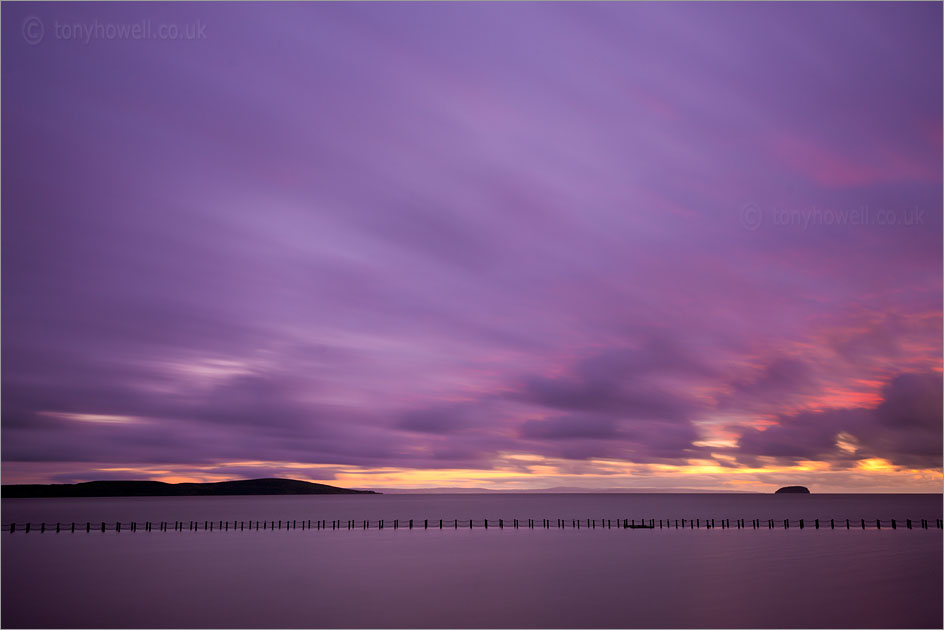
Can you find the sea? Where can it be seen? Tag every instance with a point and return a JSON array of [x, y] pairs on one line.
[[457, 577]]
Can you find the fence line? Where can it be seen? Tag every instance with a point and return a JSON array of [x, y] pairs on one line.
[[455, 524]]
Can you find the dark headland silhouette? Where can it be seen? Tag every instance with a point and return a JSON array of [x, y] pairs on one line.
[[793, 490], [161, 489]]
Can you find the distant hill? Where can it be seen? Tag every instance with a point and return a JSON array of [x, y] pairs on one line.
[[161, 489]]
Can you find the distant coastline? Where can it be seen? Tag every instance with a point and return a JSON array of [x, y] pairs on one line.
[[160, 489], [276, 486], [563, 490]]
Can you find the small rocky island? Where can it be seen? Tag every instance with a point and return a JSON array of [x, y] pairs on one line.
[[793, 490]]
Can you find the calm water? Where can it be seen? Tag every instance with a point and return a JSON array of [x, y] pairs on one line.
[[495, 578]]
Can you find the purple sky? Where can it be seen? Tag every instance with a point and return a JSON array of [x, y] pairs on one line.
[[491, 245]]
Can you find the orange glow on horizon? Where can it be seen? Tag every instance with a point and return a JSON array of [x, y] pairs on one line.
[[524, 471]]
